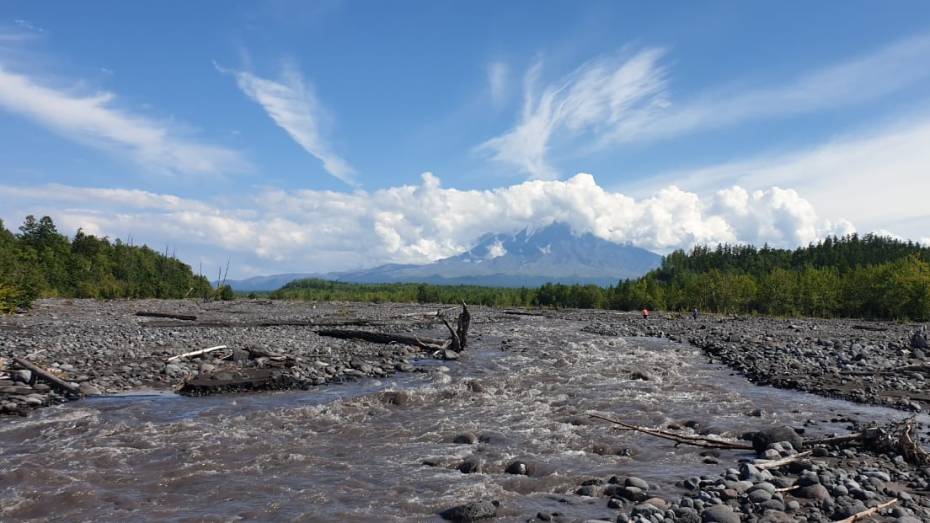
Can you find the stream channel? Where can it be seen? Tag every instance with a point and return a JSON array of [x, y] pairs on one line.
[[356, 451]]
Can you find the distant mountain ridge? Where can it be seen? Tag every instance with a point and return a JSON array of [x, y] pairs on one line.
[[525, 259]]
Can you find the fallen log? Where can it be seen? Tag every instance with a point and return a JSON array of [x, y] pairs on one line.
[[775, 463], [195, 353], [846, 438], [186, 317], [236, 380], [53, 380], [871, 328], [684, 439], [458, 337], [383, 338], [859, 516]]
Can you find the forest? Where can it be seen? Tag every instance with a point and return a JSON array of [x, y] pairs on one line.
[[39, 261], [866, 276], [854, 276]]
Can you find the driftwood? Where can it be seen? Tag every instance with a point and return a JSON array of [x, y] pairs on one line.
[[859, 516], [895, 438], [186, 317], [775, 463], [683, 439], [872, 328], [891, 370], [381, 337], [53, 380], [265, 323], [195, 353], [458, 338], [235, 380]]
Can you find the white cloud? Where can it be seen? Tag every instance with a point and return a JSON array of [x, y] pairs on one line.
[[292, 104], [496, 250], [96, 121], [498, 73], [322, 230], [609, 101], [861, 79], [600, 94], [879, 180]]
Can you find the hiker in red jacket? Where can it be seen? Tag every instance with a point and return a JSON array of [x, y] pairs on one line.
[[645, 314]]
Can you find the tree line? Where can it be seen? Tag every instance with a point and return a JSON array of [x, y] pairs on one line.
[[38, 261], [854, 276]]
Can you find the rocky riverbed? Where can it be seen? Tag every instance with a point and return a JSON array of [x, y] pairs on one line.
[[882, 363], [504, 432]]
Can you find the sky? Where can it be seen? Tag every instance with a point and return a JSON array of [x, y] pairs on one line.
[[334, 135]]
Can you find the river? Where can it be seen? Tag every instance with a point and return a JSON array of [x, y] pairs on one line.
[[356, 451]]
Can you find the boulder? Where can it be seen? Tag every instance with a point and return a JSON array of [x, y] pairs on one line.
[[471, 512], [719, 514], [765, 437]]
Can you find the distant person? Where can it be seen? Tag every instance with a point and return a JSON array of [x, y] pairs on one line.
[[694, 314], [645, 314]]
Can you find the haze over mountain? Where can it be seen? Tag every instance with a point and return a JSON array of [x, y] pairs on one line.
[[528, 258]]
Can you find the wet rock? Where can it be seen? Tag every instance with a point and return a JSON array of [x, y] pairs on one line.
[[517, 467], [466, 438], [471, 512], [587, 490], [636, 482], [632, 493], [470, 466], [765, 437]]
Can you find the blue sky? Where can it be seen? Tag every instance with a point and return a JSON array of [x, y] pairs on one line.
[[295, 137]]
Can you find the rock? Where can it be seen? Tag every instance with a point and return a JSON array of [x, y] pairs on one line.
[[587, 490], [89, 390], [471, 512], [470, 466], [517, 467], [23, 376], [759, 496], [817, 492], [719, 514], [775, 516], [632, 493], [658, 503], [686, 515], [765, 437], [466, 438], [636, 482]]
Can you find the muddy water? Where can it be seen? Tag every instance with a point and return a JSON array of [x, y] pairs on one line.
[[355, 452]]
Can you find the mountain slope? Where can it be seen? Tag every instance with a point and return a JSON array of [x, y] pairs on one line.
[[551, 254]]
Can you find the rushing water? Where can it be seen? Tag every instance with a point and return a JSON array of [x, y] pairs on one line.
[[355, 452]]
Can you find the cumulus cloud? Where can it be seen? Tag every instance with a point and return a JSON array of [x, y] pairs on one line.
[[292, 104], [601, 94], [321, 230], [95, 120], [879, 180]]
